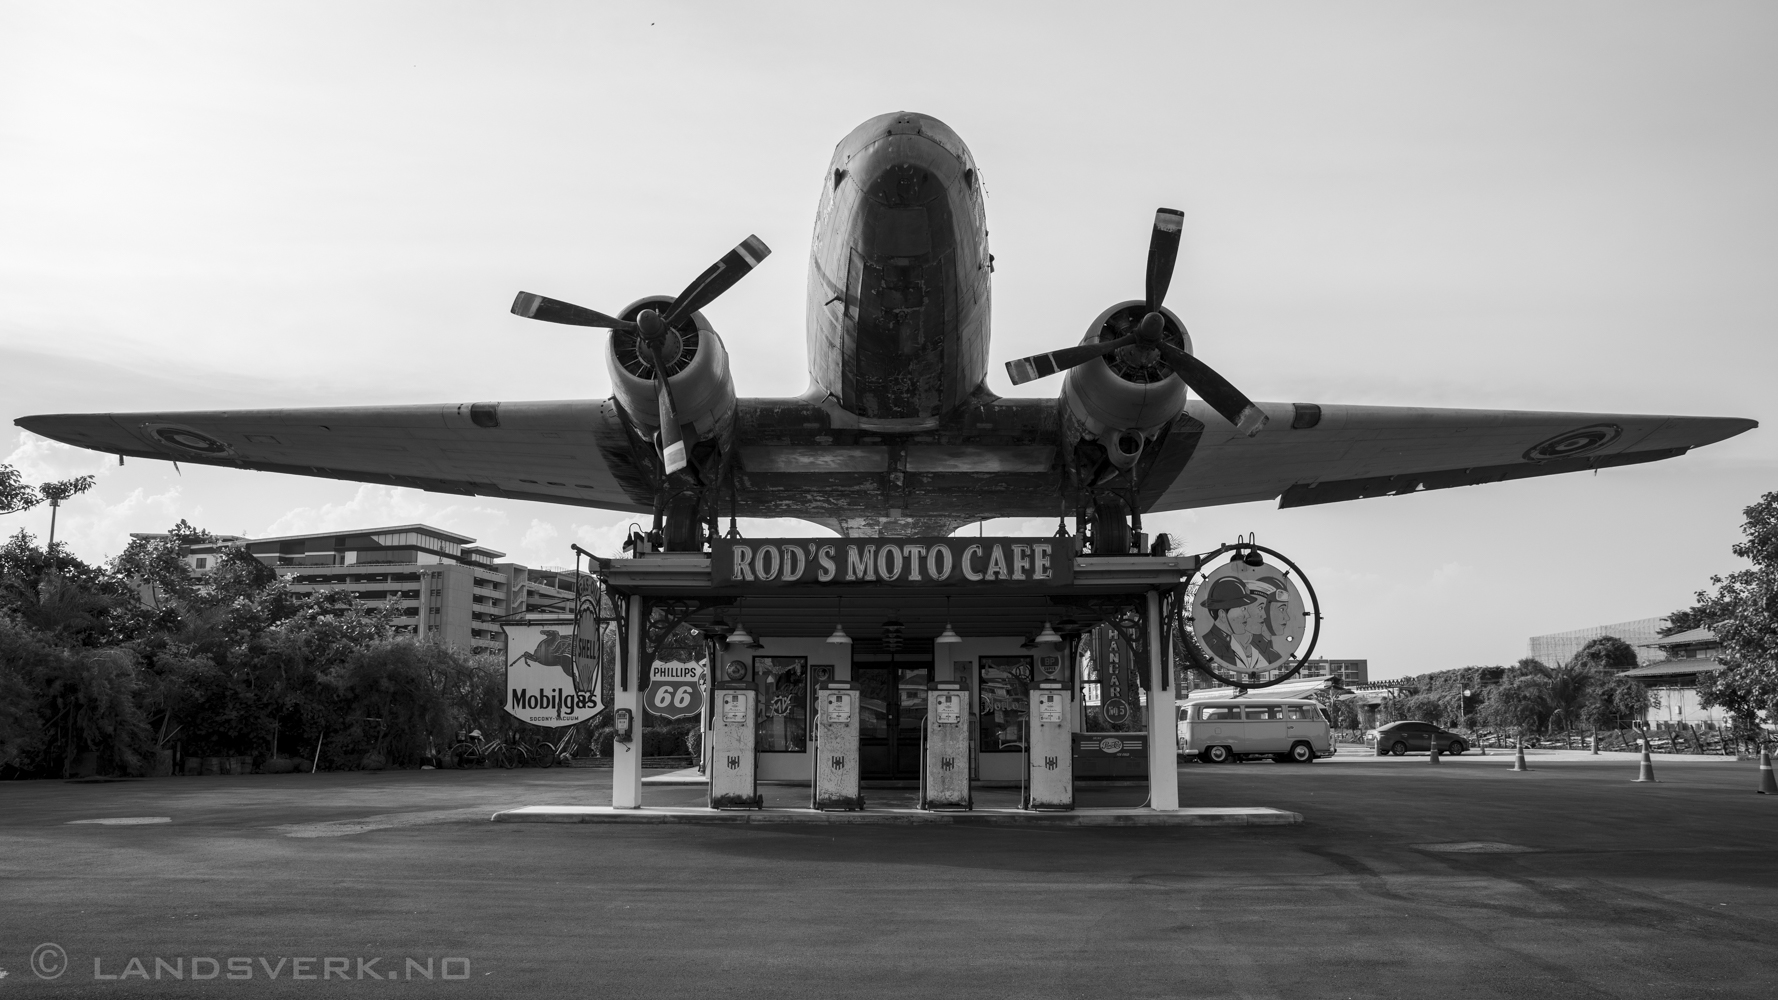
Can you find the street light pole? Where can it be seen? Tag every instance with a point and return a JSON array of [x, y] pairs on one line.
[[54, 502]]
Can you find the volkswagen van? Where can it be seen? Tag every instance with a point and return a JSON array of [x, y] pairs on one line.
[[1222, 730]]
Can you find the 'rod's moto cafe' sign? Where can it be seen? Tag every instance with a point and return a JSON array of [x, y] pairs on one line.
[[1009, 563]]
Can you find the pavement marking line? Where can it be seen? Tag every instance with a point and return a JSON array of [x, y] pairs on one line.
[[1476, 847], [121, 821], [385, 821]]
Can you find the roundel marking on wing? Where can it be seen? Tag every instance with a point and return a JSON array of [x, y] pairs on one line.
[[1574, 443], [187, 439]]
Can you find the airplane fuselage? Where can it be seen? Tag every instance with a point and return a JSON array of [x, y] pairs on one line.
[[899, 275]]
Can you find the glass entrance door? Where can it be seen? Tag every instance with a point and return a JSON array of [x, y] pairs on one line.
[[892, 712]]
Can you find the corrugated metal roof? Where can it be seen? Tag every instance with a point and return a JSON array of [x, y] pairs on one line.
[[1289, 689], [1675, 668]]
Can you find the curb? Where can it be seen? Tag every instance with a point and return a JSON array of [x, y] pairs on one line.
[[1253, 816]]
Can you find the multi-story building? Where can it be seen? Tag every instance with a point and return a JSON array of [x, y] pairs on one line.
[[540, 591], [1673, 679], [1349, 673], [442, 585]]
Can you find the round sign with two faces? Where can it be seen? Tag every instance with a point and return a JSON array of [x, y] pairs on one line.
[[1249, 619]]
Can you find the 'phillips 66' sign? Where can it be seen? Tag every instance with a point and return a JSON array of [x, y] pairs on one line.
[[674, 690]]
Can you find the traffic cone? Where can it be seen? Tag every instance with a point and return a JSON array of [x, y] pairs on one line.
[[1647, 771], [1519, 757], [1434, 756], [1767, 786]]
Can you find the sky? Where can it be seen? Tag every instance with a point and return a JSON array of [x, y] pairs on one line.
[[1560, 206]]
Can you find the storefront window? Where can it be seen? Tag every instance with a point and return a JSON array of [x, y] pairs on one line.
[[783, 686], [1005, 683]]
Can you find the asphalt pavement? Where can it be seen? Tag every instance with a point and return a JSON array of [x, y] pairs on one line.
[[1407, 879]]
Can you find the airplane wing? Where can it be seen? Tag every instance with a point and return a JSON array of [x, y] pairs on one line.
[[574, 452], [1312, 454], [796, 460]]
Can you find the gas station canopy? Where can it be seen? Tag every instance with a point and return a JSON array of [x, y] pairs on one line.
[[1097, 585]]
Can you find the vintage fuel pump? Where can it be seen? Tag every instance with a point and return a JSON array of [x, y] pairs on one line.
[[1052, 758], [836, 748], [733, 782], [944, 771]]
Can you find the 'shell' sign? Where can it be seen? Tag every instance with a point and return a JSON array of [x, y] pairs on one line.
[[1009, 563]]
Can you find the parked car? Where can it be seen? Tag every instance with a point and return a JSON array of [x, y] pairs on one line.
[[1413, 737], [1225, 730]]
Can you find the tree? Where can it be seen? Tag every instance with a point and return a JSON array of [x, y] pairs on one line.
[[1606, 654], [14, 494], [1616, 702], [1419, 707], [158, 563], [1570, 687], [1743, 613], [1523, 701]]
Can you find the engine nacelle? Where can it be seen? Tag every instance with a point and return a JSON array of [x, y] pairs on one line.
[[703, 389], [1122, 400]]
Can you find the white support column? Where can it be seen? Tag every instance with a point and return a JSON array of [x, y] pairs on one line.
[[1163, 739], [626, 758]]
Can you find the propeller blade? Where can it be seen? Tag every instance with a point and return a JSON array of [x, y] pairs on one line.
[[1222, 396], [1044, 365], [1163, 250], [721, 276], [533, 306], [672, 444]]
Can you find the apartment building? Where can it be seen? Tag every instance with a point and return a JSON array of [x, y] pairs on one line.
[[1349, 673], [442, 584]]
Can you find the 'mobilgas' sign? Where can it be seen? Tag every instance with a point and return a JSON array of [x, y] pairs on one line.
[[541, 672], [1010, 563]]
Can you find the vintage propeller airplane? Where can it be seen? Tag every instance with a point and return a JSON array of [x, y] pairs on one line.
[[898, 433]]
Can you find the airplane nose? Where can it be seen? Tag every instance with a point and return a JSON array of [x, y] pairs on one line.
[[885, 155]]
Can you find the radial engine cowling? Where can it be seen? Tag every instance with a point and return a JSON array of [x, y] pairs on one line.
[[697, 369], [1121, 401]]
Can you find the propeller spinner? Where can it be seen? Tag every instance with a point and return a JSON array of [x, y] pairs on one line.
[[1163, 251], [654, 329]]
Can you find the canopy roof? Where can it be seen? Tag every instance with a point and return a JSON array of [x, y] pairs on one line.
[[1300, 688], [1690, 635], [1675, 668]]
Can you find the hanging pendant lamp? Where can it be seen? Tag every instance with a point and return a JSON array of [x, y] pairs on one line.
[[739, 636], [839, 629], [1047, 635], [947, 636]]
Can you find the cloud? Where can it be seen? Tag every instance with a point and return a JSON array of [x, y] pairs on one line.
[[39, 459], [380, 506]]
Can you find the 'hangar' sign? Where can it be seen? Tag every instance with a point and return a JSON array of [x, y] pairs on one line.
[[1008, 563]]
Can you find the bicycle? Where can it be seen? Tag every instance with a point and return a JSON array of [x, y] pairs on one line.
[[474, 751], [515, 754], [560, 752]]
